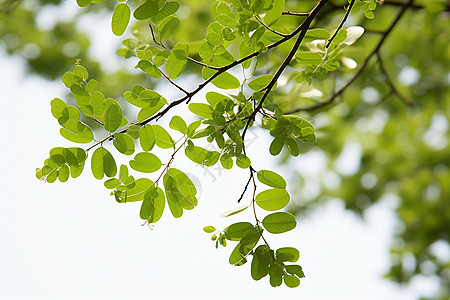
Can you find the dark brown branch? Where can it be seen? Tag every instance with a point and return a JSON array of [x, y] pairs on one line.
[[359, 71], [342, 23], [390, 83]]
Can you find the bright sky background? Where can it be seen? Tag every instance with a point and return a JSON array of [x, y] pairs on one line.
[[73, 241]]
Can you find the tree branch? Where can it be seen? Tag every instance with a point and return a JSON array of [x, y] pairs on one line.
[[363, 66], [342, 23], [390, 83]]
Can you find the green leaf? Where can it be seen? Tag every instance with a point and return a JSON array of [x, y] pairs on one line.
[[316, 34], [202, 110], [260, 82], [295, 270], [276, 275], [123, 173], [146, 162], [83, 3], [136, 193], [243, 161], [287, 254], [236, 231], [103, 163], [279, 222], [177, 60], [152, 207], [146, 10], [150, 68], [292, 146], [271, 179], [273, 199], [168, 26], [112, 118], [275, 12], [177, 123], [163, 138], [168, 9], [111, 183], [202, 156], [276, 145], [75, 131], [180, 188], [291, 281], [262, 258], [147, 137], [120, 19], [149, 111], [243, 248], [81, 72], [209, 229], [226, 161], [213, 98], [63, 173], [57, 107], [309, 58], [149, 97], [223, 81], [123, 143]]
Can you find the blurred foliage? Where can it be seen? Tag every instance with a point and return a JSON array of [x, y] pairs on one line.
[[404, 152]]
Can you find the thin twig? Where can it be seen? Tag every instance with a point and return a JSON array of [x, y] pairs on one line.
[[202, 64], [172, 82], [359, 71], [290, 13], [390, 83], [268, 28], [246, 186], [342, 23]]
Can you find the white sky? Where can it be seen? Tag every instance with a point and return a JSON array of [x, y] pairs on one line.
[[73, 241]]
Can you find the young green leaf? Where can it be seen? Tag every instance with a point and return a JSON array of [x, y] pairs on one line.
[[279, 222], [177, 60], [146, 163], [147, 137], [272, 199], [162, 138], [291, 281], [201, 109], [236, 231], [152, 207], [120, 19], [209, 229], [271, 179], [146, 10], [103, 163], [178, 124], [136, 193], [168, 9], [112, 118], [123, 143], [168, 26], [287, 254], [260, 82]]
